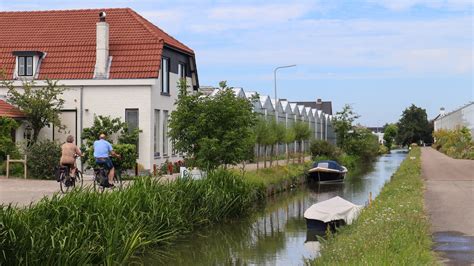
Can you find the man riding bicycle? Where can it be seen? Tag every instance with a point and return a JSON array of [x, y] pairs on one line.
[[69, 151], [102, 152]]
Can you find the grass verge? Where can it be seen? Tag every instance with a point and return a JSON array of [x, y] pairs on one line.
[[394, 230]]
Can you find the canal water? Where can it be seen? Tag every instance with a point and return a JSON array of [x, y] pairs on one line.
[[276, 234]]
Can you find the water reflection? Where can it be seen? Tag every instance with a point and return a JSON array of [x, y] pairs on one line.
[[277, 234]]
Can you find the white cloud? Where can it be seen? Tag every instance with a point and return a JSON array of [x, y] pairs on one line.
[[401, 5], [416, 47]]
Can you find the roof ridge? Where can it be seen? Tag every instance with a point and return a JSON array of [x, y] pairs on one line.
[[64, 10], [153, 29], [139, 19]]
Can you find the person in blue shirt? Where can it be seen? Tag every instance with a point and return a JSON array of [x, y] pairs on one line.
[[102, 152]]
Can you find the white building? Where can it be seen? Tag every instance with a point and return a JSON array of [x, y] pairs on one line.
[[461, 117], [118, 64]]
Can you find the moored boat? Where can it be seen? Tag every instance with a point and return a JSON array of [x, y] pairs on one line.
[[327, 171], [331, 213]]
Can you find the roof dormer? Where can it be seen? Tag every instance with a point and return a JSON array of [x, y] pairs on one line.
[[27, 64]]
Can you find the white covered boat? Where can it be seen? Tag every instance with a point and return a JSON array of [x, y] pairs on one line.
[[333, 212]]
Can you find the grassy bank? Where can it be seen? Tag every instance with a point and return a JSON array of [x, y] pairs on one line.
[[90, 228], [85, 227], [276, 179], [393, 230]]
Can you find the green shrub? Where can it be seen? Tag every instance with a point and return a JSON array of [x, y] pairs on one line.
[[362, 143], [455, 143], [322, 148], [128, 156], [383, 149], [7, 146], [113, 128], [16, 169], [43, 157]]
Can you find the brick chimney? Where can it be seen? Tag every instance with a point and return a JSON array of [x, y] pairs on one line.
[[102, 48]]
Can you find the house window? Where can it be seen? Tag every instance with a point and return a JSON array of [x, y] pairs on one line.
[[165, 133], [25, 65], [131, 118], [157, 133], [165, 75], [182, 70]]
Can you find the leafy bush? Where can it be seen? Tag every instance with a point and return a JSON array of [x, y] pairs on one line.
[[16, 169], [7, 146], [383, 149], [114, 129], [128, 156], [322, 148], [455, 143], [43, 157], [363, 144]]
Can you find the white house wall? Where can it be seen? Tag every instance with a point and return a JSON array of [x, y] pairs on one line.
[[163, 103]]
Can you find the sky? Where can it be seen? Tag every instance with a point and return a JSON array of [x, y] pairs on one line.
[[379, 56]]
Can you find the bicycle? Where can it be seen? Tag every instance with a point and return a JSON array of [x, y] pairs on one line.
[[101, 178], [66, 183]]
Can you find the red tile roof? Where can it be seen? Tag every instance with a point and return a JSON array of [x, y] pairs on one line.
[[8, 110], [68, 37]]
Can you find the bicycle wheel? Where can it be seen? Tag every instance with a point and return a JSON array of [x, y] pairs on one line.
[[98, 177], [79, 180], [62, 183], [118, 181]]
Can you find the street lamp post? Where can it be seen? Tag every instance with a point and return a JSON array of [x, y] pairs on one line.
[[275, 87]]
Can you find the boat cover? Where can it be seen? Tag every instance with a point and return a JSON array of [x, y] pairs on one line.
[[328, 164], [333, 209]]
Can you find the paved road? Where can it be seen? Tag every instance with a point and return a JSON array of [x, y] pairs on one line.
[[449, 200], [22, 192]]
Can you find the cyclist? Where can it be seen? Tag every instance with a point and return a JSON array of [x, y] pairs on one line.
[[102, 152], [69, 151]]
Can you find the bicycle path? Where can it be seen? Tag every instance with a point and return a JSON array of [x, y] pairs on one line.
[[449, 200], [22, 192]]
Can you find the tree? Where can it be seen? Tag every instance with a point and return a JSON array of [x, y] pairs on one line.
[[270, 140], [214, 131], [289, 138], [42, 106], [343, 124], [389, 135], [302, 133], [280, 133], [414, 127], [362, 143], [261, 134]]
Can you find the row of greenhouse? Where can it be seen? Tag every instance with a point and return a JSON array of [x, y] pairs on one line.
[[287, 112]]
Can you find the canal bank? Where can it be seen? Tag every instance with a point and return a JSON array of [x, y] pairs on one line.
[[275, 234], [393, 230]]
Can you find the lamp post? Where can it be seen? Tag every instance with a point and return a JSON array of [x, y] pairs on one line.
[[275, 87]]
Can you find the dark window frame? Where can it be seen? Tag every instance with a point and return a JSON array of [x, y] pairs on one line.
[[138, 125], [25, 65], [184, 72], [168, 66]]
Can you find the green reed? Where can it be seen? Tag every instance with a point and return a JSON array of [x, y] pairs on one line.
[[85, 227]]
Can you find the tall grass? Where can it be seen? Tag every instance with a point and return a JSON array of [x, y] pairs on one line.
[[84, 227], [394, 230], [275, 175]]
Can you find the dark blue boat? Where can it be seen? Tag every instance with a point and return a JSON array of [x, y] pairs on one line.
[[327, 171]]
